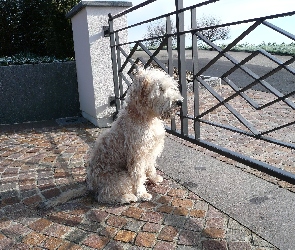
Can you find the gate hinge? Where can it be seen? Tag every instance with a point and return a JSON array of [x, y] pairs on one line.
[[106, 31]]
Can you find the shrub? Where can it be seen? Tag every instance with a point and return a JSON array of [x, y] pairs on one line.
[[36, 26]]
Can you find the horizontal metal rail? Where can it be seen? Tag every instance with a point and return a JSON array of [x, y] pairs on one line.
[[191, 31], [197, 118]]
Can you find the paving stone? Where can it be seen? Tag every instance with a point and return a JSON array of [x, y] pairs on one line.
[[238, 234], [116, 210], [34, 239], [65, 218], [70, 246], [152, 227], [50, 193], [133, 212], [175, 220], [165, 199], [108, 231], [168, 233], [189, 238], [56, 230], [165, 209], [154, 217], [145, 239], [197, 213], [213, 232], [15, 231], [194, 224], [76, 235], [96, 241], [33, 200], [215, 222], [134, 225], [214, 245], [163, 245], [97, 215], [181, 211], [159, 189], [125, 236], [52, 243], [5, 243], [187, 203], [40, 224], [114, 245], [91, 226], [177, 193], [116, 221], [239, 246]]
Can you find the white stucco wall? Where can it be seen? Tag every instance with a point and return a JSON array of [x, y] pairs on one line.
[[93, 60]]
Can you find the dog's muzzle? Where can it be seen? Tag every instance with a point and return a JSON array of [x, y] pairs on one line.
[[178, 103]]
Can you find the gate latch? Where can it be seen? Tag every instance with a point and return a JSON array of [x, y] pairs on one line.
[[106, 31]]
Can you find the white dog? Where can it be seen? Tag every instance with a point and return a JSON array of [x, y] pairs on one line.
[[125, 155]]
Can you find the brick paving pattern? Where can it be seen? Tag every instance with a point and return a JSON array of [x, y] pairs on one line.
[[40, 164]]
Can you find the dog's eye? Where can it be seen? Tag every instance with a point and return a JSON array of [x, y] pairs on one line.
[[161, 88]]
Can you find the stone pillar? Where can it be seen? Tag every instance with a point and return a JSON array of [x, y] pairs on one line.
[[93, 56]]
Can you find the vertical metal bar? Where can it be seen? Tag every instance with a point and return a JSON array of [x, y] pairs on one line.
[[114, 64], [170, 58], [120, 85], [169, 46], [181, 65], [195, 61]]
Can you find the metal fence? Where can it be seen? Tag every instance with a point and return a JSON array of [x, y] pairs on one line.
[[243, 115]]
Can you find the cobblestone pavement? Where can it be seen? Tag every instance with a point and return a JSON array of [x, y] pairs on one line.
[[41, 163]]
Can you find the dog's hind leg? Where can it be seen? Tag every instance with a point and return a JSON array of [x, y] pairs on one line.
[[116, 188]]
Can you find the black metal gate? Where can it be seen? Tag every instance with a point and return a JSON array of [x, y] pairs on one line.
[[240, 114]]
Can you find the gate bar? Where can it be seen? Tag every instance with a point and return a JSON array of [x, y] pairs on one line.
[[259, 165]]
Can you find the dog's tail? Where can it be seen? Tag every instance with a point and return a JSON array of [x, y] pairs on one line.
[[70, 194]]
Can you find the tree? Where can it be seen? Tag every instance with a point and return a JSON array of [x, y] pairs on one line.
[[214, 34], [36, 26], [158, 28]]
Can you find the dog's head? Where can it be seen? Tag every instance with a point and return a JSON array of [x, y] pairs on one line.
[[156, 92]]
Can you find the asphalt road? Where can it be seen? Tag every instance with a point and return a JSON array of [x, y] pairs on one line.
[[283, 80]]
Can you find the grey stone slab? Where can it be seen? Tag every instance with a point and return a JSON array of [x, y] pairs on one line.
[[257, 204], [81, 5]]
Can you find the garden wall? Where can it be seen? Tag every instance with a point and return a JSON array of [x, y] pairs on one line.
[[38, 92]]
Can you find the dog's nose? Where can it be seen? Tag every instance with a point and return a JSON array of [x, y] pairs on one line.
[[179, 103]]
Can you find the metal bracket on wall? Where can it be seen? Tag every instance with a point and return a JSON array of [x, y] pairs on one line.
[[106, 31]]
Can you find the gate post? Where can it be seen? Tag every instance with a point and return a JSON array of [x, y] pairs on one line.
[[93, 57]]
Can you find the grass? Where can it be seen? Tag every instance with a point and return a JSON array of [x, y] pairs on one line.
[[273, 48]]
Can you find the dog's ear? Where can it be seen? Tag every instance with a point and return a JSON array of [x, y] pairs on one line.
[[144, 89]]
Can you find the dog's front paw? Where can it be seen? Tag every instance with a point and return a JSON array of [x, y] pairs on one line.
[[156, 179], [145, 197], [127, 198]]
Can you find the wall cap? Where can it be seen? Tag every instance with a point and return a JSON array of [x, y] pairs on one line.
[[81, 5]]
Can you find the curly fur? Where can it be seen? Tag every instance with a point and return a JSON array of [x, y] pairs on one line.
[[125, 155]]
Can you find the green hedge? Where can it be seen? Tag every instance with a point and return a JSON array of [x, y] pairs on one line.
[[28, 58], [273, 48], [36, 26]]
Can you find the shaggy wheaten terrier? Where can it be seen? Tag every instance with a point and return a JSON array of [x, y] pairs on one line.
[[124, 157]]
